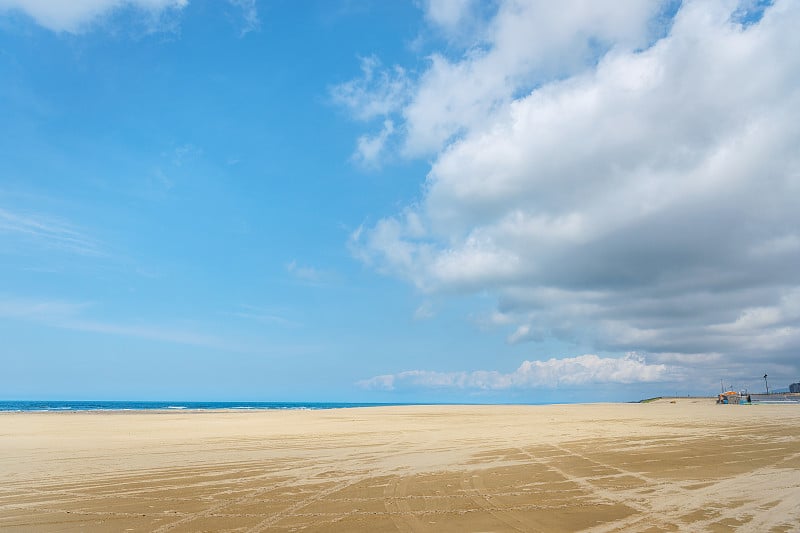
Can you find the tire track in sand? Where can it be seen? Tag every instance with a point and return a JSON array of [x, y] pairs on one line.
[[215, 509], [396, 504], [473, 486], [627, 498], [271, 520]]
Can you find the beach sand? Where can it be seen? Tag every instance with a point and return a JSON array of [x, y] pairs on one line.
[[685, 465]]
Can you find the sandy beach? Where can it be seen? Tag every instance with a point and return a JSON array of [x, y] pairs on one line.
[[685, 465]]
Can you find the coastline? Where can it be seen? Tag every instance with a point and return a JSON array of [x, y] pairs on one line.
[[25, 406], [114, 406], [563, 467]]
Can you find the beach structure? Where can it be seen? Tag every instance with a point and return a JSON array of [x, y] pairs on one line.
[[794, 387], [730, 397], [777, 397]]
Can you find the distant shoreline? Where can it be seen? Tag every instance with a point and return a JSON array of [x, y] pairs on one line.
[[36, 406], [69, 406], [169, 406]]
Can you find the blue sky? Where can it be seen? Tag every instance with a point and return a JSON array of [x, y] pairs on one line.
[[397, 201]]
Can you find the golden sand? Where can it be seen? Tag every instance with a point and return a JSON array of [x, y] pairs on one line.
[[690, 465]]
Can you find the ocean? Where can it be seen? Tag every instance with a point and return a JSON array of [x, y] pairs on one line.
[[32, 405]]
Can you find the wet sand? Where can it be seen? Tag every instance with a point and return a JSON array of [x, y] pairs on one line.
[[684, 466]]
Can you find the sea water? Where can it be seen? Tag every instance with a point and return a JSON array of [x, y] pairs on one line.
[[32, 405]]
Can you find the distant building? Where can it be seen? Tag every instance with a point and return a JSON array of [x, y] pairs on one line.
[[794, 387]]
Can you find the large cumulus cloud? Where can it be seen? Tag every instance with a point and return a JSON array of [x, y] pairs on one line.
[[627, 176]]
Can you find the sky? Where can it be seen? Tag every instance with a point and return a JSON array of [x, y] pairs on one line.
[[427, 201]]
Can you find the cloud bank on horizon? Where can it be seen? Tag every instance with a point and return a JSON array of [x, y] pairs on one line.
[[569, 371], [624, 174]]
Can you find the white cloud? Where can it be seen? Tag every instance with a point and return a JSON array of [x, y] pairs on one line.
[[184, 153], [48, 231], [613, 175], [524, 43], [424, 312], [250, 19], [450, 14], [377, 93], [305, 273], [38, 309], [370, 149], [72, 316], [569, 371], [459, 21], [525, 333], [74, 16]]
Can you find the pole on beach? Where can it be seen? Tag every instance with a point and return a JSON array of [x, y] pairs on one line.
[[766, 384]]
